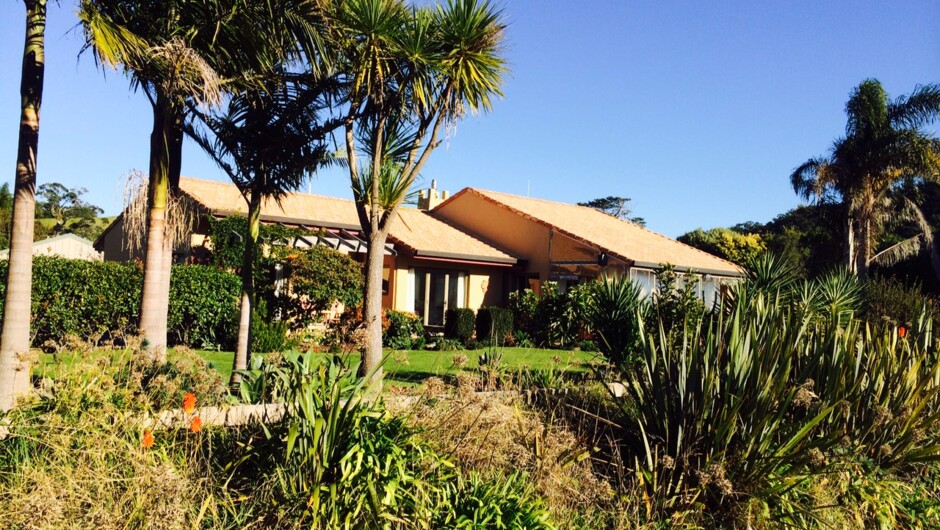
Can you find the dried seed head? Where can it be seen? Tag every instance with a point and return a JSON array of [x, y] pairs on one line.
[[882, 417], [668, 462], [816, 457]]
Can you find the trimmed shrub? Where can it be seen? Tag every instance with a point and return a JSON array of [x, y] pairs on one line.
[[459, 324], [405, 331], [91, 298], [203, 306], [494, 324]]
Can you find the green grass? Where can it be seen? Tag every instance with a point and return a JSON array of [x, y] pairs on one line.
[[402, 367]]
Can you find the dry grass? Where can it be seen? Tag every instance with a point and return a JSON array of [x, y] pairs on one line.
[[74, 458], [498, 434]]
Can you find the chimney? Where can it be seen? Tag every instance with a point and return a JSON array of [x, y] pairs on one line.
[[431, 197]]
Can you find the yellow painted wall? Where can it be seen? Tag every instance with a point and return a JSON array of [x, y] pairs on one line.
[[500, 227]]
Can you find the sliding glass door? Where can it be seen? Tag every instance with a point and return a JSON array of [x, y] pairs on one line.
[[435, 292]]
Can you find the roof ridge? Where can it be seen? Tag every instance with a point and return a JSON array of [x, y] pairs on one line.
[[295, 193]]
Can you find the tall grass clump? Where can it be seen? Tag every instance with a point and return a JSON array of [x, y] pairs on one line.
[[732, 415]]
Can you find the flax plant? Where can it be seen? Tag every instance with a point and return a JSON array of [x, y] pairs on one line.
[[781, 384]]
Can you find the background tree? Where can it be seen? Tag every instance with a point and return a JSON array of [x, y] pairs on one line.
[[884, 145], [72, 214], [726, 243], [423, 69], [177, 52], [14, 337], [615, 206]]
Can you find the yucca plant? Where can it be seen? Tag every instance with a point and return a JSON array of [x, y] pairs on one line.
[[782, 384]]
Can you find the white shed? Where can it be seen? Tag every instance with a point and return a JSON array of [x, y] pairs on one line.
[[65, 246]]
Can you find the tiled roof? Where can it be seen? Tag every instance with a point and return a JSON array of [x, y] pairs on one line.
[[624, 239], [415, 229]]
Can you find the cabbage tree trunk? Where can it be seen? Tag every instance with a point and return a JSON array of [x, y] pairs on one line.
[[372, 309], [14, 337], [243, 346]]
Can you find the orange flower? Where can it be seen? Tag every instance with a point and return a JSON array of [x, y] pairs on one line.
[[147, 442], [196, 424], [902, 331], [189, 403]]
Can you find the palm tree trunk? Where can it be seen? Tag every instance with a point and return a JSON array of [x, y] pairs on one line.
[[863, 257], [14, 337], [155, 297], [372, 309], [850, 244], [243, 347]]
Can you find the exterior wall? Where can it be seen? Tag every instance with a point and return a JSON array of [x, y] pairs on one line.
[[112, 244], [482, 285], [502, 228]]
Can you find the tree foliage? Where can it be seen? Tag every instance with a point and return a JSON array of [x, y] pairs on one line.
[[725, 243], [72, 213], [615, 206]]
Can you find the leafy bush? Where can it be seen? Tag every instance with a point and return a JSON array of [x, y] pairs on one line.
[[676, 302], [494, 324], [459, 324], [203, 306], [405, 331], [890, 301], [524, 306], [268, 335], [88, 299], [318, 277]]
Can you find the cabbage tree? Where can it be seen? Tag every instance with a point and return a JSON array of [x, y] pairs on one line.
[[422, 68]]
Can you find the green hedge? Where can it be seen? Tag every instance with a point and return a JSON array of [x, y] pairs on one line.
[[459, 324], [494, 323], [89, 298], [203, 307]]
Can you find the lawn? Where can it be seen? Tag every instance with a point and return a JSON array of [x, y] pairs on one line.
[[402, 367]]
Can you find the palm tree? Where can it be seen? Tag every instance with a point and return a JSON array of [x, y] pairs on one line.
[[14, 338], [422, 68], [268, 142], [178, 52], [884, 145]]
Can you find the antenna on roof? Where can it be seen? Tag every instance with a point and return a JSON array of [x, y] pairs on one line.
[[528, 187]]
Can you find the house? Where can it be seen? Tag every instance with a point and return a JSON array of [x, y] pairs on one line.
[[64, 246], [430, 265], [469, 250], [566, 243]]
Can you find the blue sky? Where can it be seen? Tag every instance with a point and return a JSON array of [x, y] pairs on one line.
[[698, 111]]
